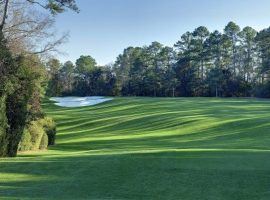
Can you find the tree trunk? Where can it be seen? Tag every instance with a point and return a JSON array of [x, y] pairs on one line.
[[4, 15]]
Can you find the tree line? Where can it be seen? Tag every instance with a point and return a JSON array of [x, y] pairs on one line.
[[231, 63]]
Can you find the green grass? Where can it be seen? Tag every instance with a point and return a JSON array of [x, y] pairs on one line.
[[145, 148]]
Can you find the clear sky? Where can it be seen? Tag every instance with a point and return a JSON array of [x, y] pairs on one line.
[[104, 28]]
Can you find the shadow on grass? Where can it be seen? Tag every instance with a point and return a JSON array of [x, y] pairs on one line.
[[161, 175], [149, 148], [238, 134]]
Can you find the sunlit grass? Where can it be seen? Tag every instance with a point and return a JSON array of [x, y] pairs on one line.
[[149, 148]]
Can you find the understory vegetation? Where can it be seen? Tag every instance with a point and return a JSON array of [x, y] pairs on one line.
[[149, 148], [25, 39], [20, 106]]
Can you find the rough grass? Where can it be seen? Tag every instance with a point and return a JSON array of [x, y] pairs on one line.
[[144, 148]]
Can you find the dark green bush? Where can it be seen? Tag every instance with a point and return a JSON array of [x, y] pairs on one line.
[[263, 90], [3, 126]]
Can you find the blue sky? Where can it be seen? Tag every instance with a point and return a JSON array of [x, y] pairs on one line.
[[104, 28]]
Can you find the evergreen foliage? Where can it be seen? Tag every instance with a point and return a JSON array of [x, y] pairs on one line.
[[232, 63], [38, 135]]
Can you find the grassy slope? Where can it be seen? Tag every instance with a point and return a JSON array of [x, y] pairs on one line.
[[143, 148]]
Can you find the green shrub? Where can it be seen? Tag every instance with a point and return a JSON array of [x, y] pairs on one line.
[[34, 137], [44, 142], [26, 142], [38, 135], [50, 128], [36, 131]]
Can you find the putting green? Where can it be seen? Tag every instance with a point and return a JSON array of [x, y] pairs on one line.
[[149, 148]]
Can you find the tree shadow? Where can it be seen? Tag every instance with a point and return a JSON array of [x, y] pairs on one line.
[[161, 175], [134, 148]]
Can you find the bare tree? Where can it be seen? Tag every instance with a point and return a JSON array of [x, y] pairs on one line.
[[29, 30], [4, 4]]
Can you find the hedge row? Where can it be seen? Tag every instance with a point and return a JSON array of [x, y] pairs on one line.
[[38, 135]]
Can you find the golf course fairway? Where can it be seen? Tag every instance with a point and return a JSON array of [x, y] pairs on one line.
[[149, 148]]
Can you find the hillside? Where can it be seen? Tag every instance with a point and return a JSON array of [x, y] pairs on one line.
[[149, 148]]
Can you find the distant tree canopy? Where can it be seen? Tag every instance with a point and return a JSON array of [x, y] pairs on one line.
[[232, 63], [84, 78]]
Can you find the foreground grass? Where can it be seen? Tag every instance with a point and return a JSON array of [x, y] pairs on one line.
[[144, 148]]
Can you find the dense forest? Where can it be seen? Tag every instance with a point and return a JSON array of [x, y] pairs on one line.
[[232, 63]]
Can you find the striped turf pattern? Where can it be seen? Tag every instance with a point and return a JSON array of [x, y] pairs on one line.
[[149, 148]]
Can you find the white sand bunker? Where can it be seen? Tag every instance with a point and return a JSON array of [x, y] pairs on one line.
[[72, 102]]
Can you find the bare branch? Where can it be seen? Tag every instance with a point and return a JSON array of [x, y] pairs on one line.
[[36, 2], [6, 3], [29, 30], [52, 46]]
